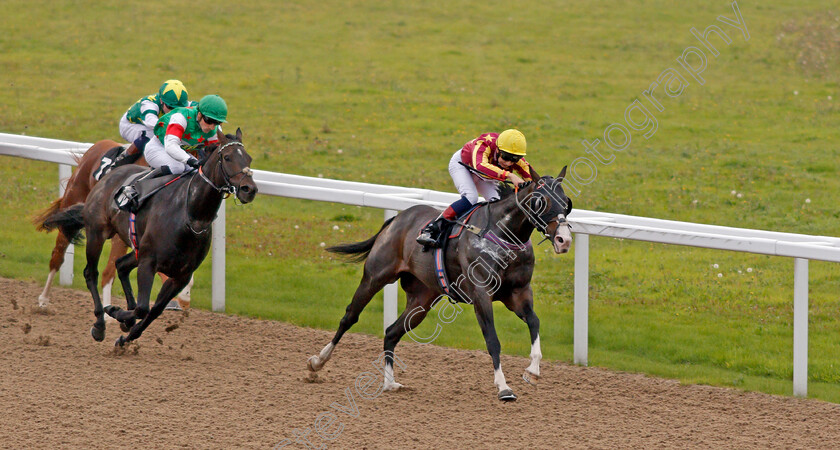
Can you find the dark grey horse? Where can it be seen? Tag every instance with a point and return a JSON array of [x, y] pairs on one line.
[[493, 262], [173, 231]]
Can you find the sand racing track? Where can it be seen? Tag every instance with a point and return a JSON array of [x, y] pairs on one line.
[[205, 380]]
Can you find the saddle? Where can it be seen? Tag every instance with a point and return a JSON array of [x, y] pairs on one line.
[[455, 228], [114, 157], [136, 189]]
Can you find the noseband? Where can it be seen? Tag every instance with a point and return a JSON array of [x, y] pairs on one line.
[[228, 188]]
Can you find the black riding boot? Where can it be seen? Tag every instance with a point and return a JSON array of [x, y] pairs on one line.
[[127, 196], [430, 236], [131, 158]]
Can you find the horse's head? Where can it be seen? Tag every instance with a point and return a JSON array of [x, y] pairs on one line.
[[547, 206], [234, 166]]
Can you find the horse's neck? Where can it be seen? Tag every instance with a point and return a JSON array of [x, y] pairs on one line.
[[204, 200], [507, 215]]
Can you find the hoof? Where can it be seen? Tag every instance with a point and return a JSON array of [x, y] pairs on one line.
[[124, 327], [43, 302], [507, 396], [120, 342], [392, 387], [314, 364], [98, 335], [530, 378]]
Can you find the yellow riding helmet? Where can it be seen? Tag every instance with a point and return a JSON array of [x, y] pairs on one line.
[[512, 141]]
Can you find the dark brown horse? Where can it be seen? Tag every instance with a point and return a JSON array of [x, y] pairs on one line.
[[79, 186], [173, 231], [493, 262]]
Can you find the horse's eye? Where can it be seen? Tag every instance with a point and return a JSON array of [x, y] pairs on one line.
[[227, 158]]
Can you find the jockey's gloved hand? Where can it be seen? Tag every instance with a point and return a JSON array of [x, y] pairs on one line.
[[192, 162]]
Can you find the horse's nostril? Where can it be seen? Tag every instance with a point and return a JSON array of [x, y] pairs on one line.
[[246, 189]]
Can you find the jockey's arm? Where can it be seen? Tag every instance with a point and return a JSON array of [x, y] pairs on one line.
[[172, 139], [150, 112]]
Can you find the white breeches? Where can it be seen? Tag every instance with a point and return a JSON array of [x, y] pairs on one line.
[[131, 131], [468, 184], [157, 157]]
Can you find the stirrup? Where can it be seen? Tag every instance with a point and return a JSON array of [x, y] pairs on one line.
[[126, 199], [427, 240]]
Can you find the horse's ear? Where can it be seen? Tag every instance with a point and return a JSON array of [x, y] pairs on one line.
[[239, 134], [562, 174], [221, 136]]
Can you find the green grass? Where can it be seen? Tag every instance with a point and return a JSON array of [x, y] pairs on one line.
[[399, 87]]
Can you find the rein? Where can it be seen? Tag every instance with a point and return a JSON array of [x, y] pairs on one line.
[[226, 190]]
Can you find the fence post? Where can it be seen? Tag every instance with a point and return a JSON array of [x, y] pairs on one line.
[[65, 275], [389, 308], [217, 280], [581, 323], [800, 327]]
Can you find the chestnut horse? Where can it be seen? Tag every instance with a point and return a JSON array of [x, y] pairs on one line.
[[79, 186]]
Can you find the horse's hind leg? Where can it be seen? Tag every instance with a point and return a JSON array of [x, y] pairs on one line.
[[93, 251], [124, 266], [56, 260], [118, 248], [521, 303], [419, 302], [167, 292], [373, 280]]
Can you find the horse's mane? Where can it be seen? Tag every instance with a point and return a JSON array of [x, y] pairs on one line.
[[506, 189]]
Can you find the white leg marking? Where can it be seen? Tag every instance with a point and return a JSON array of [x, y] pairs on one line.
[[106, 299], [106, 293], [43, 299], [184, 295], [317, 362], [536, 357], [390, 384], [499, 379]]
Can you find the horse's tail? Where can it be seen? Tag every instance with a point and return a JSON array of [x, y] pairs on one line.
[[42, 216], [359, 251], [68, 221]]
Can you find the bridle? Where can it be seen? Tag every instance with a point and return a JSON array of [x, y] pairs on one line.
[[559, 219], [228, 188]]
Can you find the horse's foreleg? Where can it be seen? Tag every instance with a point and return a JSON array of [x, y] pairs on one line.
[[484, 314], [184, 295], [145, 279], [93, 250], [521, 303], [56, 260], [167, 293]]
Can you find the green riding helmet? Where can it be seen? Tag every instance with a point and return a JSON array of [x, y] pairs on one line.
[[173, 94], [213, 107]]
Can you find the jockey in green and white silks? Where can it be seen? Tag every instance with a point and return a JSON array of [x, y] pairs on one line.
[[185, 129], [144, 114]]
